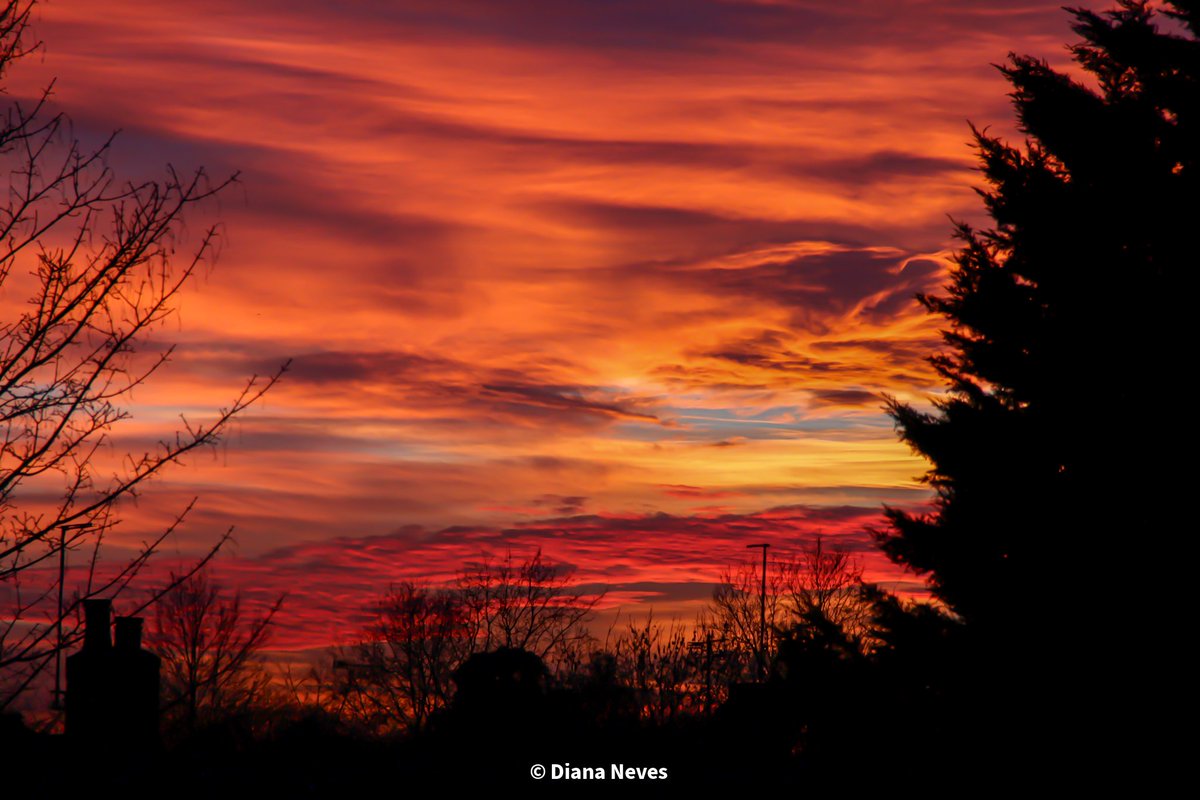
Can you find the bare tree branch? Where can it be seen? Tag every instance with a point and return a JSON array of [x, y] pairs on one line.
[[98, 262]]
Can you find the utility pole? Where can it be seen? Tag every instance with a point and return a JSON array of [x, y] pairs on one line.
[[57, 703], [707, 647], [762, 616]]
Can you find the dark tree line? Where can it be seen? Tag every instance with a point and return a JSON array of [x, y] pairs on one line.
[[405, 670], [402, 670]]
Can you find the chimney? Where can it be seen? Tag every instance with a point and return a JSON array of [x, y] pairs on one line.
[[97, 637], [128, 634], [112, 691]]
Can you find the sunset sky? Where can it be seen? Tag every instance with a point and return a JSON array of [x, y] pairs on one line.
[[621, 280]]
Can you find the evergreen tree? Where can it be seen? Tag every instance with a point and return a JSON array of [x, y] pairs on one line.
[[1065, 317], [1055, 454]]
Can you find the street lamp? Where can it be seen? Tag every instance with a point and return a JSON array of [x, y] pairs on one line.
[[57, 703]]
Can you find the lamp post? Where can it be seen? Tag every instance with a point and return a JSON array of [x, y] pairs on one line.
[[762, 615], [57, 703]]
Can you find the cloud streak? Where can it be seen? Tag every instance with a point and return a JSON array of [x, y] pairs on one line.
[[649, 267]]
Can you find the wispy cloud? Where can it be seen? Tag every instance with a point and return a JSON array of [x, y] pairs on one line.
[[605, 261]]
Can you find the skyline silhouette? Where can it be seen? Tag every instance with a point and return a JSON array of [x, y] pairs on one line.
[[447, 358]]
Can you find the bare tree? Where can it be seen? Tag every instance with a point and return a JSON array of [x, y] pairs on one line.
[[316, 689], [95, 259], [827, 581], [662, 664], [820, 585], [530, 605], [734, 615], [401, 673], [209, 649]]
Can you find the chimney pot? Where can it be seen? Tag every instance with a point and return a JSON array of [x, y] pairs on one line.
[[129, 633], [97, 621]]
